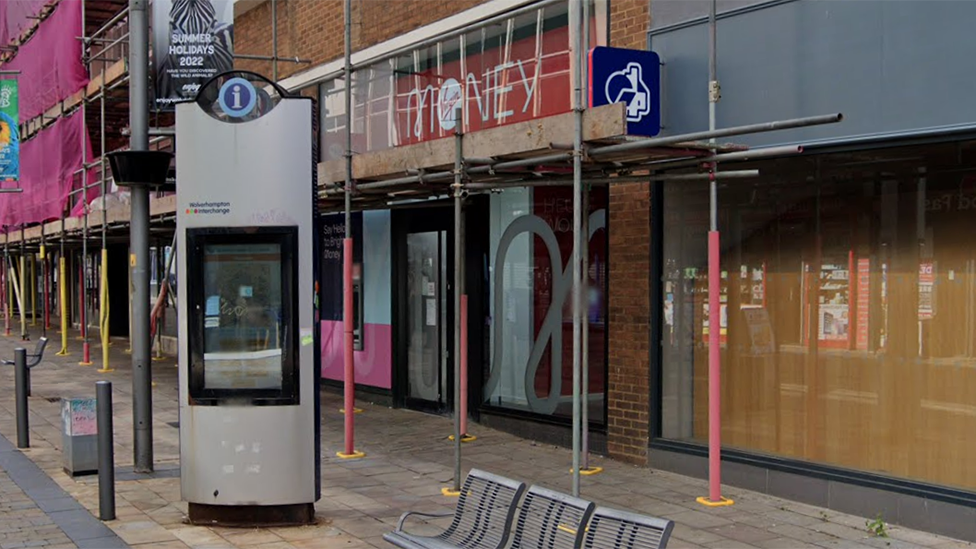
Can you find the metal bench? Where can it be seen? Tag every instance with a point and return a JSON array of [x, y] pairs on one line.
[[33, 359], [551, 520], [482, 519], [620, 529]]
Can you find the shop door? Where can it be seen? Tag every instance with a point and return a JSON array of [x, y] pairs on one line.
[[426, 299]]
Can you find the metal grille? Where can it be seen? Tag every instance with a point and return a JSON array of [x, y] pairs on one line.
[[484, 513], [550, 520], [618, 529]]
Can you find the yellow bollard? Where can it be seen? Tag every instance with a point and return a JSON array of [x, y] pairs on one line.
[[103, 313], [64, 306]]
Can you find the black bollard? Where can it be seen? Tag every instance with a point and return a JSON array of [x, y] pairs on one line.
[[106, 451], [20, 382]]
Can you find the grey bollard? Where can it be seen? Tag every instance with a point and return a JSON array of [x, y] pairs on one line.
[[106, 451], [28, 384], [20, 383]]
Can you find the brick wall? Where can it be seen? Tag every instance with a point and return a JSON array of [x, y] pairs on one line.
[[629, 372], [629, 309], [314, 29], [308, 29]]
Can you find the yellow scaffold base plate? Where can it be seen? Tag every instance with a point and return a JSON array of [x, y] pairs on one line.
[[464, 438], [354, 410], [450, 492], [709, 503], [105, 370], [354, 455], [85, 363], [589, 471]]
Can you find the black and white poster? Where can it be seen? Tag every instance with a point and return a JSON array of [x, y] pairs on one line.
[[193, 41]]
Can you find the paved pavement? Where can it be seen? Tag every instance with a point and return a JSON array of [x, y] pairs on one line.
[[409, 460]]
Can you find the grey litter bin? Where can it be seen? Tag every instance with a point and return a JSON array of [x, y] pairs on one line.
[[79, 436]]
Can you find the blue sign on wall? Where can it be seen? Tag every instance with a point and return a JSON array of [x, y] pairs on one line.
[[630, 76]]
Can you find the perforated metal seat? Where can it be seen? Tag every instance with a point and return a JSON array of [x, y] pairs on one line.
[[551, 520], [482, 519], [610, 528], [33, 359]]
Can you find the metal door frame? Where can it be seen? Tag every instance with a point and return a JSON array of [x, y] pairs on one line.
[[413, 221]]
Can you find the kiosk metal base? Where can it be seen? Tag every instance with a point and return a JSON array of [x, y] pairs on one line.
[[250, 516]]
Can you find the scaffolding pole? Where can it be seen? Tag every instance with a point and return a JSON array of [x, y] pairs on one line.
[[33, 289], [714, 289], [21, 289], [6, 279], [83, 284], [103, 317], [585, 468], [274, 41], [576, 67], [45, 289], [458, 291], [640, 144], [63, 293], [349, 363]]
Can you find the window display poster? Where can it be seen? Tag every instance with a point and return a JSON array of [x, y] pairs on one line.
[[926, 297], [863, 302], [333, 231], [834, 322], [760, 330]]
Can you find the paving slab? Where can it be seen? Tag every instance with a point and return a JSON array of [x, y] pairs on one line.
[[409, 460]]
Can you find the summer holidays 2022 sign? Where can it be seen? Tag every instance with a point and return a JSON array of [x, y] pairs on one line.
[[193, 41]]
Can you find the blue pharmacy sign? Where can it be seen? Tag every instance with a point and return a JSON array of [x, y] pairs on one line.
[[629, 76]]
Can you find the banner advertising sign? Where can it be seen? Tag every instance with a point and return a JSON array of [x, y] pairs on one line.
[[193, 41], [9, 132]]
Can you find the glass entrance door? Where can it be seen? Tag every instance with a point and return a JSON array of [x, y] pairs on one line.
[[427, 334]]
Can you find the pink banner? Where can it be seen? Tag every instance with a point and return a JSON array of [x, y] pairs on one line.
[[15, 17], [50, 62], [47, 163]]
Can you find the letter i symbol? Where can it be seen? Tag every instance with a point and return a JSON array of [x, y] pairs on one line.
[[236, 91]]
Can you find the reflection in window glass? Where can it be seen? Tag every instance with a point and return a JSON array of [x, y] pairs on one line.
[[243, 332], [848, 296]]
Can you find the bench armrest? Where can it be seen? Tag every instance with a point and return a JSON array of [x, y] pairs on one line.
[[403, 518]]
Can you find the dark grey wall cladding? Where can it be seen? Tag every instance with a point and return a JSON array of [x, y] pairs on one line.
[[889, 67], [665, 13]]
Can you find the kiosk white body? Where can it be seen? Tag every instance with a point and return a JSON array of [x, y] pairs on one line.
[[245, 229]]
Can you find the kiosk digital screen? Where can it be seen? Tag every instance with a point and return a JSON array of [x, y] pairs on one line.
[[242, 328], [244, 331]]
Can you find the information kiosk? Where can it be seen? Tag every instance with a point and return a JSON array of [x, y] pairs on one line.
[[249, 408]]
